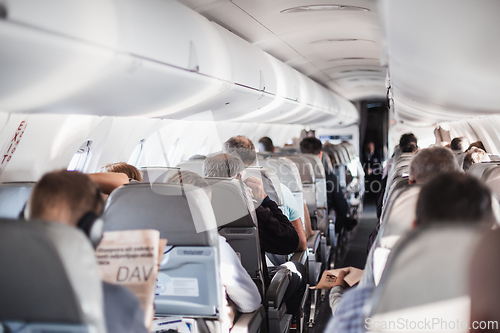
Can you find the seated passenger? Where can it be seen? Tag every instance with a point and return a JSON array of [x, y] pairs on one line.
[[424, 165], [474, 155], [448, 198], [276, 234], [131, 171], [239, 286], [244, 148], [483, 284], [266, 145], [71, 198], [335, 196], [459, 144]]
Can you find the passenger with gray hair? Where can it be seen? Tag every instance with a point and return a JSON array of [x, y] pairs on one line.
[[276, 234], [223, 165], [429, 161]]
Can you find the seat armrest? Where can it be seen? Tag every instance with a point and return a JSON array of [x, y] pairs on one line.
[[277, 288], [313, 241], [249, 322], [300, 256]]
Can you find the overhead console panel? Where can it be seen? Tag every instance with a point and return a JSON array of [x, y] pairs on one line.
[[149, 58], [443, 58]]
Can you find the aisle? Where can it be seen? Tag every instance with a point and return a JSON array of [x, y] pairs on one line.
[[355, 257], [356, 254]]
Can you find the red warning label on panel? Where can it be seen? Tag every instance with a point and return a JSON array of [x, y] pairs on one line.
[[10, 146]]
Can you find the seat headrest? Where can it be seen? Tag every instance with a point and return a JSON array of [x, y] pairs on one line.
[[305, 168], [195, 166], [317, 165], [271, 183], [48, 274], [428, 265], [182, 213], [232, 207], [78, 257], [286, 170], [35, 286], [13, 197], [157, 174]]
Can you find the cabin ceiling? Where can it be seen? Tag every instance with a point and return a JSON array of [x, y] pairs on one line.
[[339, 48]]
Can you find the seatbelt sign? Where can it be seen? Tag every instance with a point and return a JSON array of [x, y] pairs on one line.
[[10, 146]]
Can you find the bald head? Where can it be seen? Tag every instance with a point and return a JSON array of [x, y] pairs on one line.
[[484, 279], [430, 161]]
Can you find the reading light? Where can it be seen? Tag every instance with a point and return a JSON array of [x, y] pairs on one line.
[[301, 9]]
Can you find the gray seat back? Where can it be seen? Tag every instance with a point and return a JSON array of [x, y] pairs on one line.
[[49, 278], [189, 280], [286, 170], [270, 181], [157, 174], [308, 178], [426, 275], [319, 179], [237, 223], [195, 166], [13, 198]]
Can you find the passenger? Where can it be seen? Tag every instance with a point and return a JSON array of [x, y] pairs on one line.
[[474, 155], [459, 144], [266, 145], [483, 284], [335, 196], [430, 161], [238, 285], [131, 171], [448, 198], [404, 140], [477, 144], [424, 165], [276, 234], [244, 148], [71, 198]]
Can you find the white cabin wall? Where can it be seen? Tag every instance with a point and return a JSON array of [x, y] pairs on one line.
[[49, 143]]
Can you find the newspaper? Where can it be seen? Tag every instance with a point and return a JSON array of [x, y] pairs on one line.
[[131, 258], [328, 278]]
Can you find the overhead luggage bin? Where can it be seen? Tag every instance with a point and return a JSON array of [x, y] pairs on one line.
[[159, 59]]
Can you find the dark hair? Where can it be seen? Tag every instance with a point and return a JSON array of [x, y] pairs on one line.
[[457, 143], [406, 139], [71, 188], [121, 167], [310, 145], [241, 146], [454, 197], [409, 148], [267, 144]]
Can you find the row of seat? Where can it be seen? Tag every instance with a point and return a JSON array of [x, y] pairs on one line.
[[419, 273], [13, 197]]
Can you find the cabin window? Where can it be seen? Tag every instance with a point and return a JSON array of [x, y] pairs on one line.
[[81, 157], [136, 154]]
